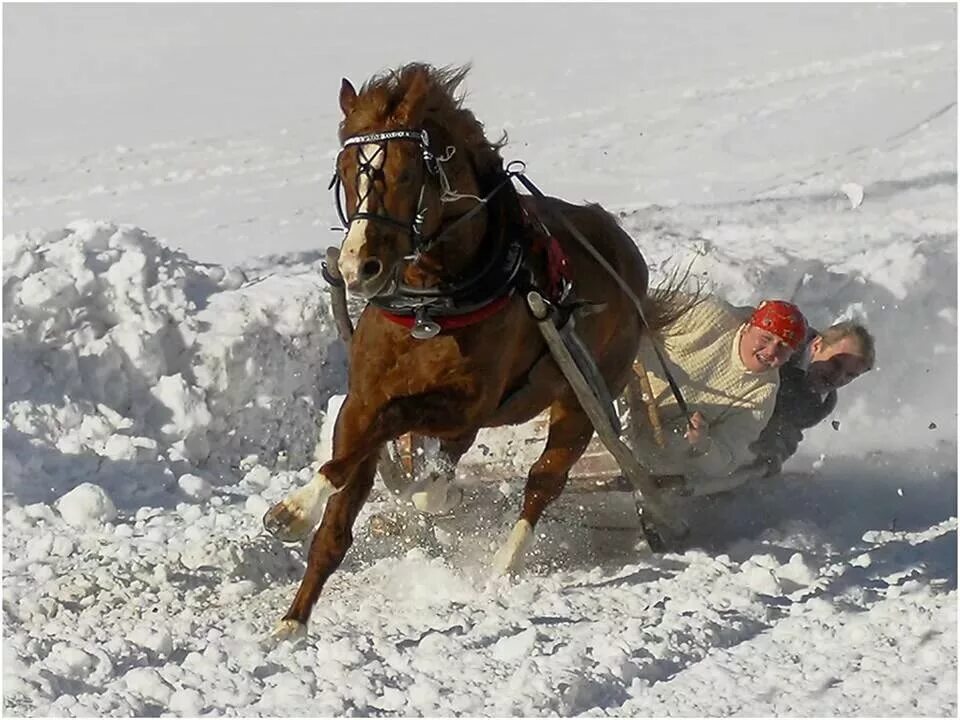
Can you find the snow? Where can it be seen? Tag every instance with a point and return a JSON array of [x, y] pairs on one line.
[[170, 362], [86, 504], [195, 487]]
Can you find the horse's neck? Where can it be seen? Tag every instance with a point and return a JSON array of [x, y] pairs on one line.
[[467, 250], [449, 260]]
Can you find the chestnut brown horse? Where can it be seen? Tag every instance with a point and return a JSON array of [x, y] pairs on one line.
[[443, 248]]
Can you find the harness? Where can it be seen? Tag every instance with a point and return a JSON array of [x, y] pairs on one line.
[[417, 307], [488, 288], [454, 306]]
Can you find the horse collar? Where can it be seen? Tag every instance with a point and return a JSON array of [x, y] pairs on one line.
[[483, 296], [424, 327]]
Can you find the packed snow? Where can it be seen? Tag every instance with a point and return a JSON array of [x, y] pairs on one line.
[[170, 362]]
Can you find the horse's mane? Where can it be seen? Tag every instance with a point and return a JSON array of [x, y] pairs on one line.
[[381, 96]]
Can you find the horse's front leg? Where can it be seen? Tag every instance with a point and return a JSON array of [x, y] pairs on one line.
[[569, 434], [337, 492], [356, 436], [330, 544], [357, 440]]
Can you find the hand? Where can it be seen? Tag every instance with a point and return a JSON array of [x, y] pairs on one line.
[[698, 430]]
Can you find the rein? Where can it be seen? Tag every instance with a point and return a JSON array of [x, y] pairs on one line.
[[410, 304], [434, 167], [674, 387]]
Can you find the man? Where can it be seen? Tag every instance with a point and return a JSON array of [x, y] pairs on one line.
[[726, 362], [808, 389]]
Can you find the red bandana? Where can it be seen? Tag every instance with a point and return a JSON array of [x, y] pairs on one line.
[[783, 319]]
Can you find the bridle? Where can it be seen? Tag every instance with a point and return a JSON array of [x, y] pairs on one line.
[[367, 167], [495, 274], [433, 164], [402, 295]]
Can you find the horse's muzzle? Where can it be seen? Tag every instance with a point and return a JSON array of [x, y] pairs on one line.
[[374, 282], [370, 271]]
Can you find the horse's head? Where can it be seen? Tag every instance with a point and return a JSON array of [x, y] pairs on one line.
[[405, 145]]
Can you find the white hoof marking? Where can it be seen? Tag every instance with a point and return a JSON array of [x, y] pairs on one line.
[[289, 630], [508, 558], [436, 496], [298, 513]]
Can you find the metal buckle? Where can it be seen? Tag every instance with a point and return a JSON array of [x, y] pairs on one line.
[[423, 327]]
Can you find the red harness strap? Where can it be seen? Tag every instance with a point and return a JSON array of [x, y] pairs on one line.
[[455, 322], [558, 273], [558, 266]]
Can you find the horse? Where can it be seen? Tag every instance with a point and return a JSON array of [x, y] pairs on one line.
[[442, 248]]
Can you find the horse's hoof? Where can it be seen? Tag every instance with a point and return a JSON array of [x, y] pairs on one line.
[[289, 631], [287, 524], [437, 501], [508, 559]]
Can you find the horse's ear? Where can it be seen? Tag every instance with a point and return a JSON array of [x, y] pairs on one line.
[[410, 110], [348, 97]]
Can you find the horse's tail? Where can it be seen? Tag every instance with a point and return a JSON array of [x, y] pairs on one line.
[[671, 299]]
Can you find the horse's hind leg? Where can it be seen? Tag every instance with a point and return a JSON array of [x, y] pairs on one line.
[[569, 434], [330, 544]]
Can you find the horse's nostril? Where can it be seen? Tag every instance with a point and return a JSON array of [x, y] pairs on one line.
[[370, 269]]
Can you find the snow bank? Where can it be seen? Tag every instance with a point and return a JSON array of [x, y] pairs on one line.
[[155, 407], [131, 364], [890, 267]]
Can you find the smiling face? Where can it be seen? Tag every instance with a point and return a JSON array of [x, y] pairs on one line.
[[834, 365], [761, 350]]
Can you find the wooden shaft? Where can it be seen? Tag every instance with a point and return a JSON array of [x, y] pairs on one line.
[[646, 394], [633, 397], [638, 476], [338, 297], [407, 446]]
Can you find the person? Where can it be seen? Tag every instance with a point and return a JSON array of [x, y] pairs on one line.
[[726, 362], [809, 382]]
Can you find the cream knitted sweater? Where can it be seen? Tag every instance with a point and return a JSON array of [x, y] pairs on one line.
[[703, 352]]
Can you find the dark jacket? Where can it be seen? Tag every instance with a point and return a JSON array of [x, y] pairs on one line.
[[798, 408]]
